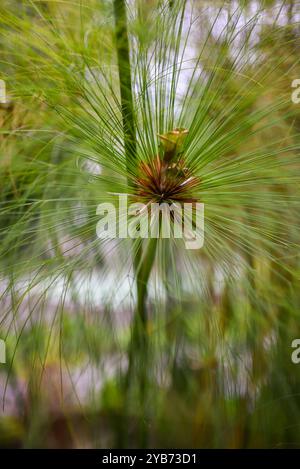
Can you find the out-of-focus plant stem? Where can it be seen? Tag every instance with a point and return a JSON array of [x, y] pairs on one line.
[[122, 45], [138, 350]]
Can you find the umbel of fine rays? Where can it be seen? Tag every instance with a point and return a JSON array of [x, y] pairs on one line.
[[226, 159]]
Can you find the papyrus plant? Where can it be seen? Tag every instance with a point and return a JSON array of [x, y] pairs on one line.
[[155, 107]]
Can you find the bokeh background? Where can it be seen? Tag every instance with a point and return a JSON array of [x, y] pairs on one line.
[[220, 373]]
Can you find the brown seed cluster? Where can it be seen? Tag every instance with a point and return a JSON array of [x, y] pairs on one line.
[[167, 179]]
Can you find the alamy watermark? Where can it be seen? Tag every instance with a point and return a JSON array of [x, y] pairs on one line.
[[295, 357], [295, 96], [153, 220], [3, 97], [2, 351]]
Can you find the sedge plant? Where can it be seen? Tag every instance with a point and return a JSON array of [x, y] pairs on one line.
[[161, 103]]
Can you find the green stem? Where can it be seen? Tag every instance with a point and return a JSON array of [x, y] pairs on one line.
[[139, 346], [122, 45], [138, 349]]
